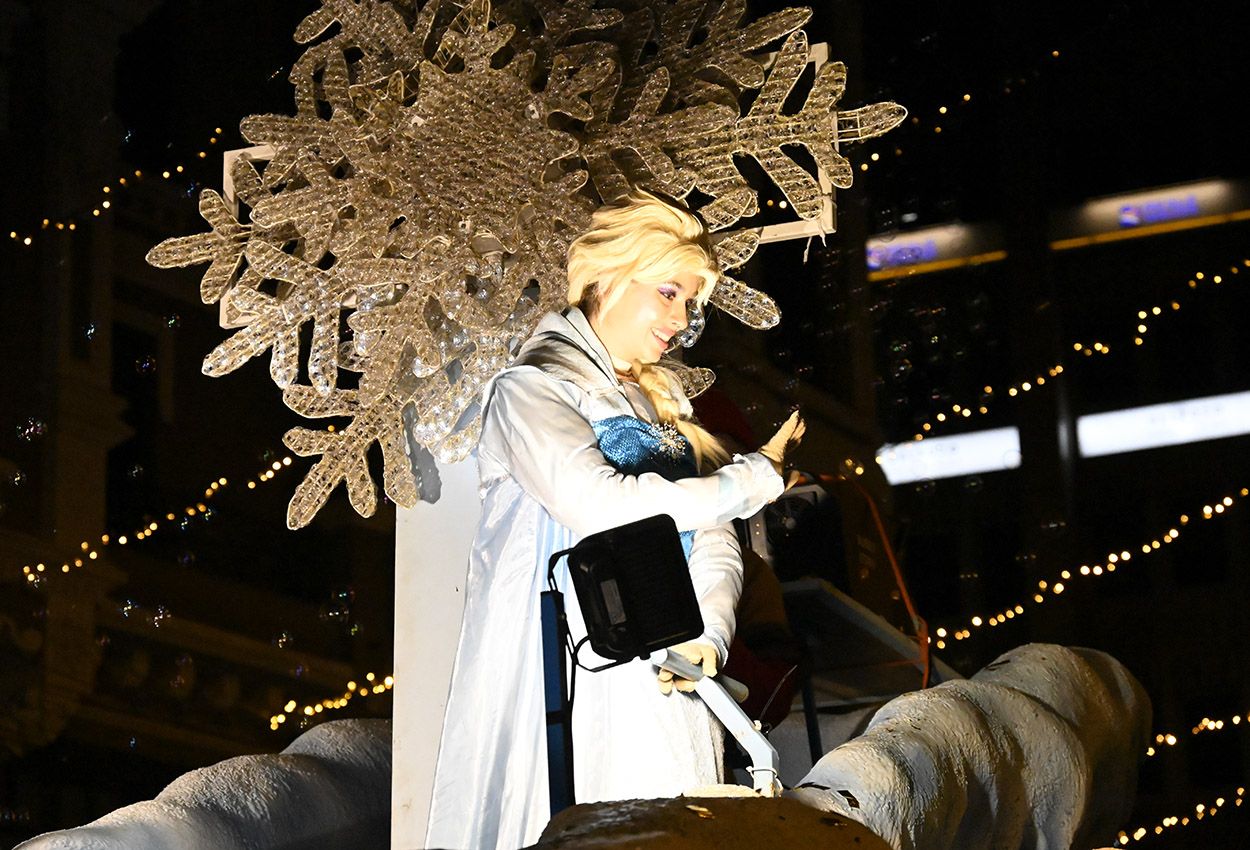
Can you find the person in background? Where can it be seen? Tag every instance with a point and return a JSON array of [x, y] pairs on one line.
[[765, 654]]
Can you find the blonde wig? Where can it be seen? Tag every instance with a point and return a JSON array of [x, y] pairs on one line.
[[646, 240]]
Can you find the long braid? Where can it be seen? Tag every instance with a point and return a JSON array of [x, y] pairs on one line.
[[646, 239], [656, 384]]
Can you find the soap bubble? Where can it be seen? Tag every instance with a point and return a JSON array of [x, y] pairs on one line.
[[32, 429], [887, 218], [338, 608], [1055, 527]]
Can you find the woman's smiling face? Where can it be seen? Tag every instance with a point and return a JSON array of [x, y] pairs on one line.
[[639, 325]]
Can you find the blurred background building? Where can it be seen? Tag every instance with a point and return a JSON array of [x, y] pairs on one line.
[[1065, 171]]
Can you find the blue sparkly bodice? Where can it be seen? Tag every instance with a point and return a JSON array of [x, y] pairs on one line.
[[635, 447]]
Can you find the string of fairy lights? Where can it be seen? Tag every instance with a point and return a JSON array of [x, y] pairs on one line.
[[29, 236], [1166, 740], [1144, 319], [371, 685], [932, 119], [89, 550], [1047, 590], [1201, 811], [1204, 726], [966, 411], [874, 158]]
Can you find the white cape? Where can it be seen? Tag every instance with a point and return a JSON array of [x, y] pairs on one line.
[[544, 486]]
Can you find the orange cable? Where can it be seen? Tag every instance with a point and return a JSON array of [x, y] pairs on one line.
[[922, 627]]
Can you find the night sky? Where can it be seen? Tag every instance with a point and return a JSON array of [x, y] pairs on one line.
[[1141, 94]]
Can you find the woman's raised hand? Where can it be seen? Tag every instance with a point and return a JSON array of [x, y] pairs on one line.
[[786, 438]]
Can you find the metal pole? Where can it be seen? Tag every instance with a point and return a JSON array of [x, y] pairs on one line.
[[556, 697]]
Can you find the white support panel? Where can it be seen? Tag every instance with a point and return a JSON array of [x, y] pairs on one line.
[[432, 543]]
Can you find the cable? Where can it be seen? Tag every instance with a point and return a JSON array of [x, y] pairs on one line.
[[773, 695], [573, 650]]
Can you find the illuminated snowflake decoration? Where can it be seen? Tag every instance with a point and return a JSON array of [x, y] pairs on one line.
[[413, 220]]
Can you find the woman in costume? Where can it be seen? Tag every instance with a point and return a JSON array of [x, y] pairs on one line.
[[584, 433]]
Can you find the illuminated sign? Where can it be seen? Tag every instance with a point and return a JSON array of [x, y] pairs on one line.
[[904, 254], [1153, 211], [1163, 209], [1159, 425], [1099, 434], [931, 249], [946, 457]]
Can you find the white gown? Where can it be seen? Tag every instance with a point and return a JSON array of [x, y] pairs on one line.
[[545, 485]]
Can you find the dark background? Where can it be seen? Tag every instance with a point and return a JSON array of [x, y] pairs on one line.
[[1139, 95]]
